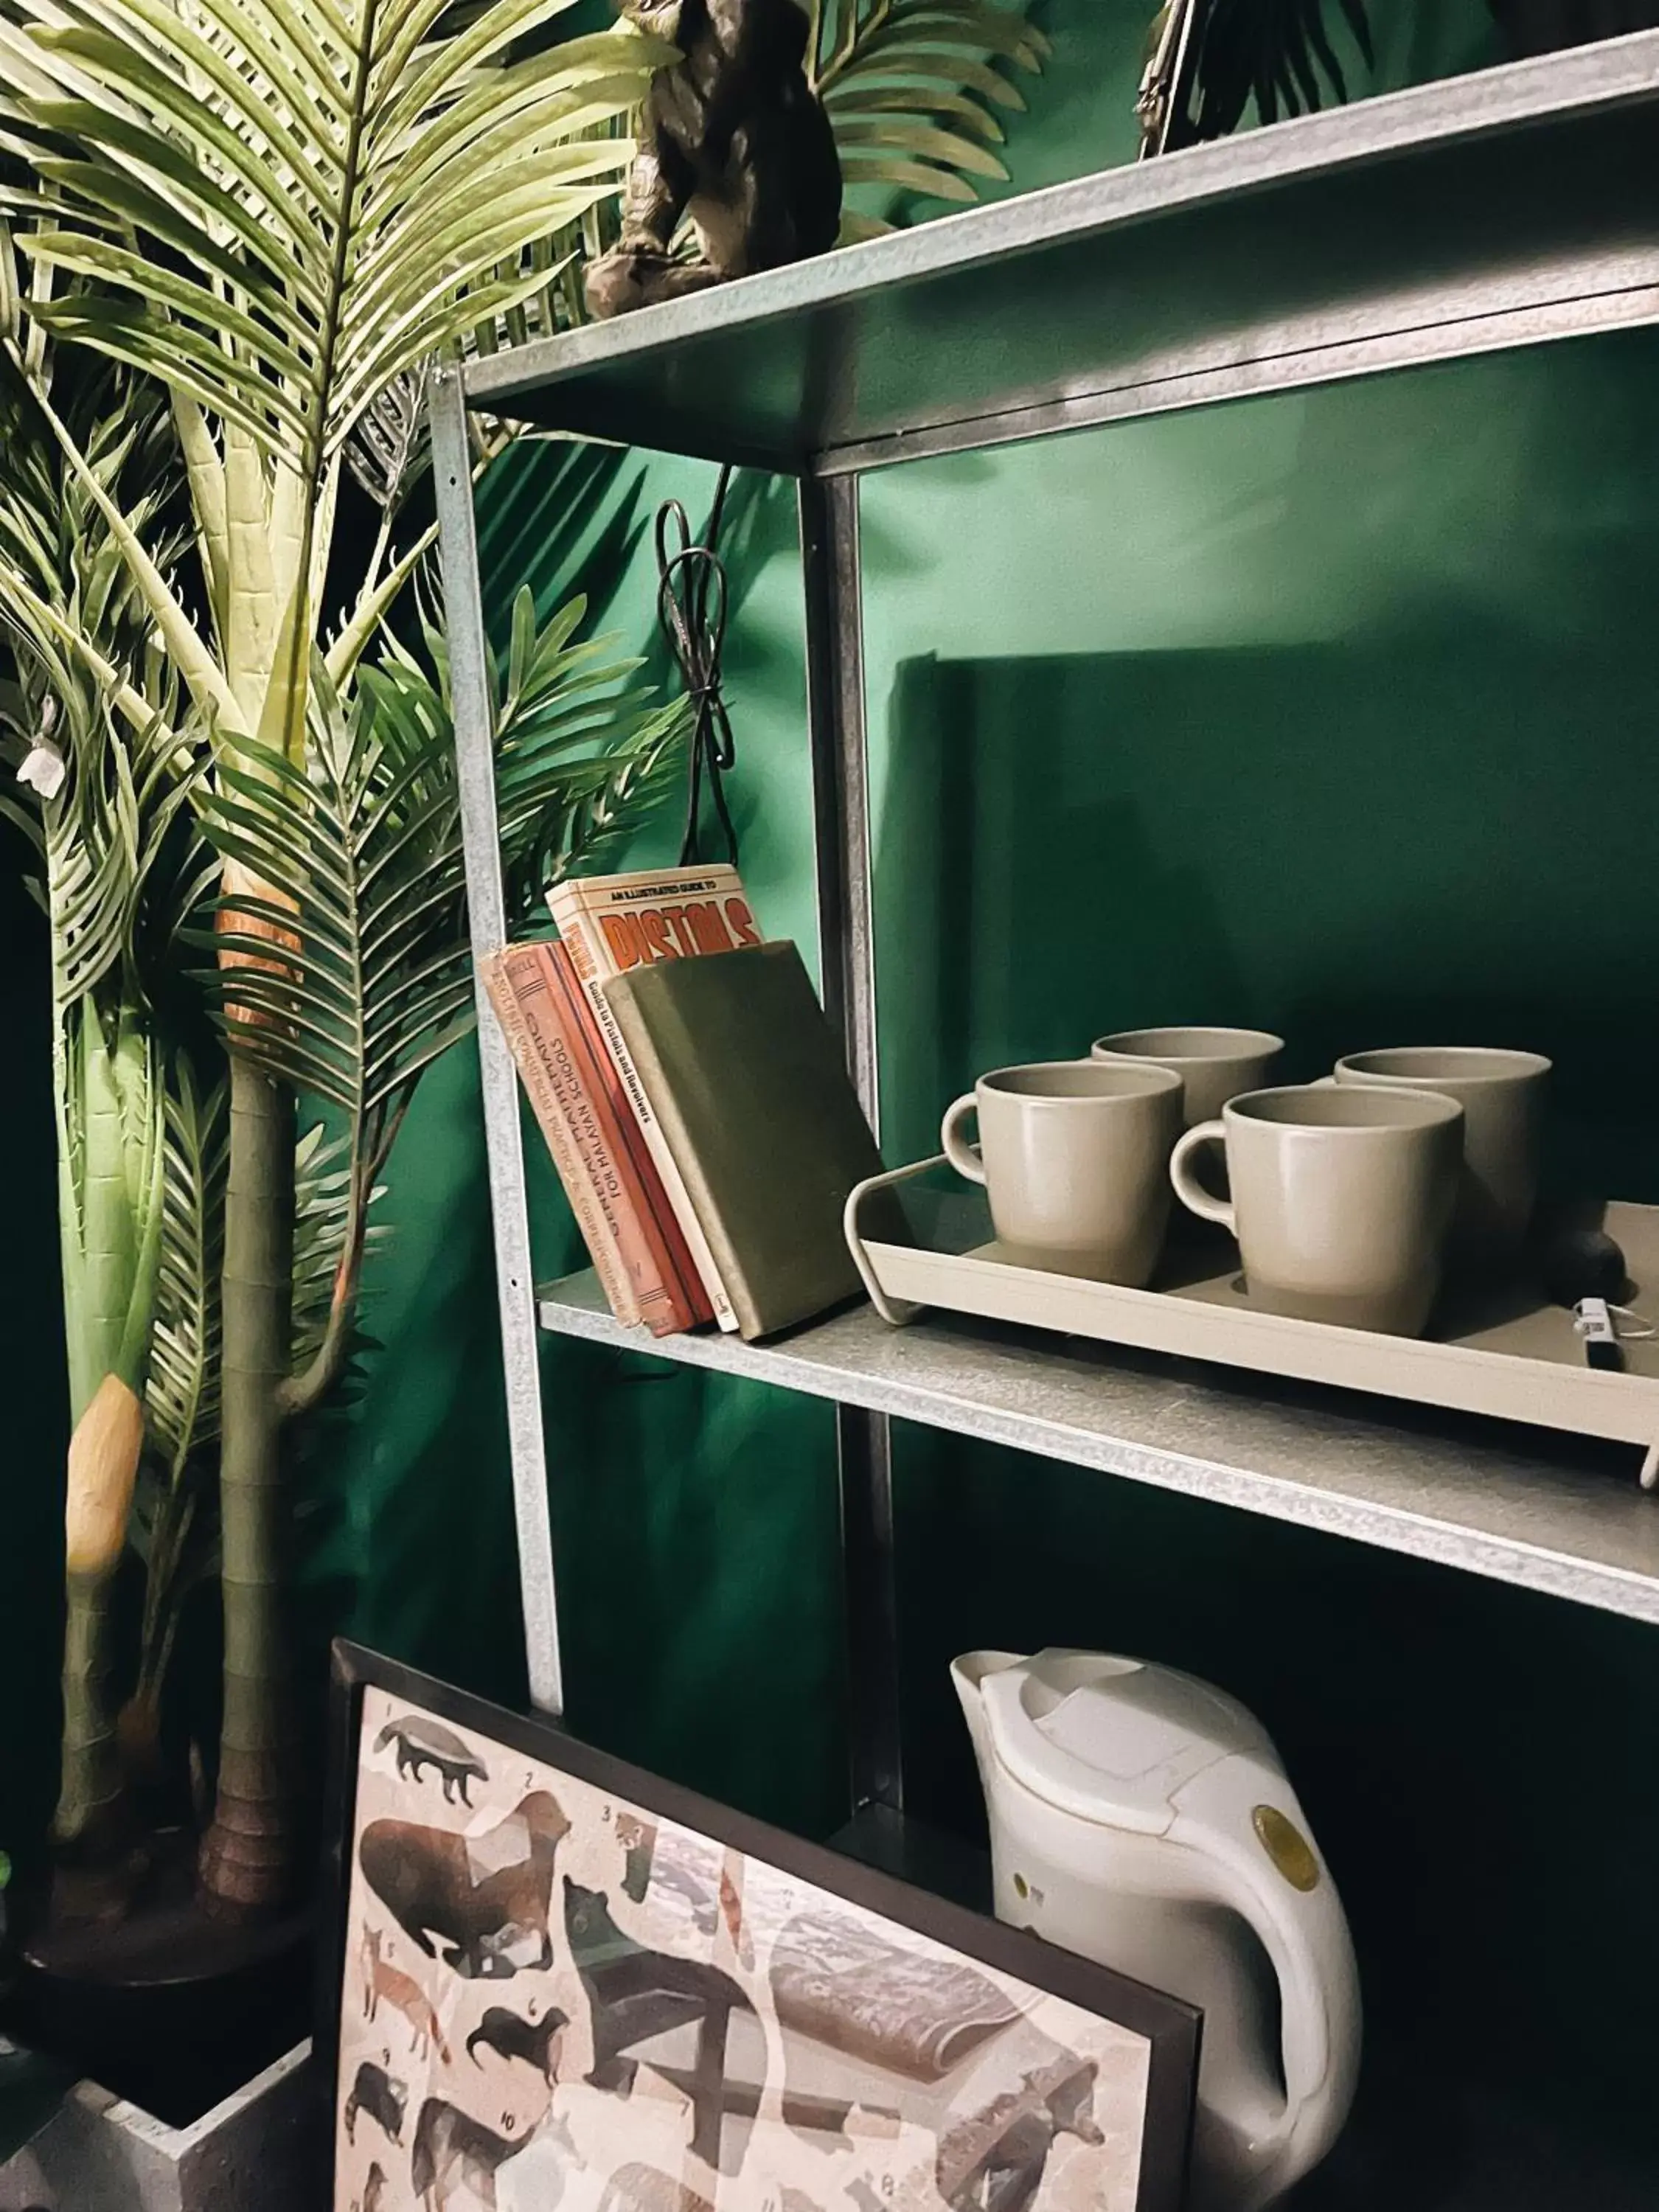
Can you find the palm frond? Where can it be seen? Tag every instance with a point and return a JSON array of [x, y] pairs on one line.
[[182, 1399], [362, 870], [182, 1395], [108, 819], [912, 89], [558, 303], [388, 450], [322, 1218], [280, 209], [173, 1527], [323, 1227], [383, 448], [360, 854], [74, 616], [1282, 54], [338, 191], [104, 832], [582, 760]]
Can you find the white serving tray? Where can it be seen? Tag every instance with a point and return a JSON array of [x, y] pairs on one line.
[[1513, 1356]]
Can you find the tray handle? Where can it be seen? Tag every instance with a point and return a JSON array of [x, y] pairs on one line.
[[896, 1312]]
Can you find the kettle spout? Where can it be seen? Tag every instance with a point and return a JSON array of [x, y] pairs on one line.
[[968, 1673]]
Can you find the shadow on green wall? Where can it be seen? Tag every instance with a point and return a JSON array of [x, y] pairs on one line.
[[1394, 784], [1378, 840]]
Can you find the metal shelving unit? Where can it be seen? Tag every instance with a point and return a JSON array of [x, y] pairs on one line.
[[1496, 210], [1501, 210], [1520, 1505]]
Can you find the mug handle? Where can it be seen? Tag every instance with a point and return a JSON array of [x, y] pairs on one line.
[[963, 1156], [1192, 1195]]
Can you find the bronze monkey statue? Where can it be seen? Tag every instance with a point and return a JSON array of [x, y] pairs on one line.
[[732, 135]]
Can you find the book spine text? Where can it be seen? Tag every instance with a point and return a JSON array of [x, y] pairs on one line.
[[520, 992], [577, 937], [671, 1297]]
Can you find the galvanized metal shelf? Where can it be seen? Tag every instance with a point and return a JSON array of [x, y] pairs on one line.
[[1499, 209], [1546, 1514]]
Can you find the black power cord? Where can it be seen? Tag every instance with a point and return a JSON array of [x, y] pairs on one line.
[[691, 606]]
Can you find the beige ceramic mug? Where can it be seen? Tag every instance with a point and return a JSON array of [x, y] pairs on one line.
[[1502, 1095], [1073, 1155], [1214, 1064], [1341, 1199]]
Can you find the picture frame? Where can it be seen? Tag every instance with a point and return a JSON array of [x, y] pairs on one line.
[[549, 1977]]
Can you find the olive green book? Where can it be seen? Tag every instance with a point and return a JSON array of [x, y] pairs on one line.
[[748, 1080]]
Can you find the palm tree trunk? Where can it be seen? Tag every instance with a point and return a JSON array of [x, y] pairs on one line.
[[246, 1860], [90, 1787], [110, 1208], [103, 1467]]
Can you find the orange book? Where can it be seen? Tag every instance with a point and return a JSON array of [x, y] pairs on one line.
[[670, 1293], [531, 1022], [527, 987]]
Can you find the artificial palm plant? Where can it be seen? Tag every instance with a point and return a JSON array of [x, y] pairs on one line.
[[912, 89], [367, 849], [104, 803], [275, 213]]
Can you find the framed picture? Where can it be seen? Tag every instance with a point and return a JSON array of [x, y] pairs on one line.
[[556, 1982]]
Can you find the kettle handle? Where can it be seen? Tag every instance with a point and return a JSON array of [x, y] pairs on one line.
[[1243, 1818]]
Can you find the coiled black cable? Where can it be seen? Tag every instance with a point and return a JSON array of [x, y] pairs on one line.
[[691, 606]]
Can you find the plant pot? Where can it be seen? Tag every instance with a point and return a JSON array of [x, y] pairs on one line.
[[167, 2007], [254, 2152], [1545, 27]]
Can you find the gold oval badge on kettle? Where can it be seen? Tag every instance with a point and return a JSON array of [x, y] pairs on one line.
[[1286, 1846]]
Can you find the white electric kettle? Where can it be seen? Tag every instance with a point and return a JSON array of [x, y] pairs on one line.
[[1144, 1819]]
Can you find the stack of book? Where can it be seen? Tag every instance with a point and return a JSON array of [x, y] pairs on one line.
[[693, 1099]]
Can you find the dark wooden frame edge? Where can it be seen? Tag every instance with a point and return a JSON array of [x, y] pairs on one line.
[[1170, 2028]]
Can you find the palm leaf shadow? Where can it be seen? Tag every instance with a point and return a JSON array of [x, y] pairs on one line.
[[566, 515]]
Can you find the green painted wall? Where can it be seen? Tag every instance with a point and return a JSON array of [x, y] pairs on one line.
[[1332, 712]]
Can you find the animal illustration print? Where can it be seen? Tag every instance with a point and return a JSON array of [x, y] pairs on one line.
[[403, 1993], [639, 1840], [736, 1926], [457, 2160], [636, 2188], [994, 2161], [636, 1993], [559, 2001], [422, 1743], [485, 1900], [823, 2120], [685, 1868], [537, 2042], [383, 2100], [456, 2155]]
